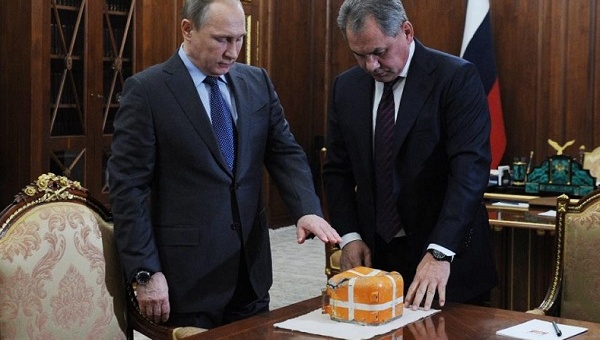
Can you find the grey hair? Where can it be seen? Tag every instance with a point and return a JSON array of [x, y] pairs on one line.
[[389, 14], [196, 11]]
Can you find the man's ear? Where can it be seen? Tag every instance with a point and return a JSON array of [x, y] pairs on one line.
[[186, 29], [407, 29]]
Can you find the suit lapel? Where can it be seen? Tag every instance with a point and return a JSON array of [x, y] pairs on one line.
[[182, 88], [419, 84], [243, 98], [364, 122], [361, 117]]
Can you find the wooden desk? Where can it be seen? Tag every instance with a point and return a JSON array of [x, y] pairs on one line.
[[517, 217], [523, 242], [528, 218], [455, 321]]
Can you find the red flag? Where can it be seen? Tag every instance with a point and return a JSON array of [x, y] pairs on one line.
[[478, 48]]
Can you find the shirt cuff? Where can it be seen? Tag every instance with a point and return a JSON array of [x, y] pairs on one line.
[[445, 251], [349, 238]]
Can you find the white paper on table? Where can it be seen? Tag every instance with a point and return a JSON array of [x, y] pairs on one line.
[[537, 329], [511, 204], [318, 323], [550, 213]]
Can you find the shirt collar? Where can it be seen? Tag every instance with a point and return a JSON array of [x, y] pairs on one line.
[[411, 52], [197, 75], [404, 72]]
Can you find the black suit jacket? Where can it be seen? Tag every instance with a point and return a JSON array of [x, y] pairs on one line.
[[177, 207], [442, 163]]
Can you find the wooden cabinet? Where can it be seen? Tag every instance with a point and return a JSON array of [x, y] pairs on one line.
[[64, 64], [91, 54]]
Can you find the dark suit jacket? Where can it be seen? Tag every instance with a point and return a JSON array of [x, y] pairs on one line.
[[164, 152], [442, 163]]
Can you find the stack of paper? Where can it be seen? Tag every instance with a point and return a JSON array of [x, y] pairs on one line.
[[318, 323], [511, 204], [538, 329]]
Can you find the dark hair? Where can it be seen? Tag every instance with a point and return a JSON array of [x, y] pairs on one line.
[[389, 14]]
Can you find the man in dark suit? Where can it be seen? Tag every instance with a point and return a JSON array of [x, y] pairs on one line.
[[189, 221], [435, 230]]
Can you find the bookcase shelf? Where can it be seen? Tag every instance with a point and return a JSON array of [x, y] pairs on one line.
[[63, 92]]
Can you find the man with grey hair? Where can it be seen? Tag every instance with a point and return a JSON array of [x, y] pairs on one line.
[[408, 159], [191, 138]]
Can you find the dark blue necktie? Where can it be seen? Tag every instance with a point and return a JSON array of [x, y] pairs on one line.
[[222, 121], [387, 218]]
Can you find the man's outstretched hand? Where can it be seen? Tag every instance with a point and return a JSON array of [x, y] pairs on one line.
[[309, 225]]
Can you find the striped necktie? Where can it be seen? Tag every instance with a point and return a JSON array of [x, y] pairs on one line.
[[387, 218]]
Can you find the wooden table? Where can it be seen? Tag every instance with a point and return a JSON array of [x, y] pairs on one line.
[[523, 242], [455, 321], [521, 217]]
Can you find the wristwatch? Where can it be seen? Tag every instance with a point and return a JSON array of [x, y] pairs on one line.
[[143, 277], [439, 256]]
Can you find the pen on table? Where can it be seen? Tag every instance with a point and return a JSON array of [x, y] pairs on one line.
[[556, 329]]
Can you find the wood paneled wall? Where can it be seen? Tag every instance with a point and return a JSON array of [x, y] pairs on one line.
[[548, 56], [548, 61], [547, 51], [148, 33]]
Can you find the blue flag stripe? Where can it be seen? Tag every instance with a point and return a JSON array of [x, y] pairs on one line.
[[480, 51]]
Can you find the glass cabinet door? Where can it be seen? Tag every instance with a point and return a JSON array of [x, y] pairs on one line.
[[67, 72], [91, 55], [118, 65]]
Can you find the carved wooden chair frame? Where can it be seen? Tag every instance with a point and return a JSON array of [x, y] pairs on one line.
[[49, 188], [564, 206]]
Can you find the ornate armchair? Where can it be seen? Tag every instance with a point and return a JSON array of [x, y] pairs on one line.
[[59, 272], [150, 329], [60, 276], [574, 290], [332, 260], [591, 161]]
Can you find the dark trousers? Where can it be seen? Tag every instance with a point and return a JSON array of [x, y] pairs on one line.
[[243, 304]]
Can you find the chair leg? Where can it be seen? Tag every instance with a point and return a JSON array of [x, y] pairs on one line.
[[129, 332]]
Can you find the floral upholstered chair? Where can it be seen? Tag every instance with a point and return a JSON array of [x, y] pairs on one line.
[[591, 161], [60, 277], [59, 274], [574, 290]]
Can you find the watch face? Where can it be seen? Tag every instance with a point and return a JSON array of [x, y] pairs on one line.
[[142, 277], [437, 254]]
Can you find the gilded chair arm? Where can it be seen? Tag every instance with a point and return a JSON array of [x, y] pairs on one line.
[[536, 311], [335, 258], [183, 332], [332, 259]]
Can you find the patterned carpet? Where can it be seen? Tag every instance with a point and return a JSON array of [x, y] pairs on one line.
[[298, 269]]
